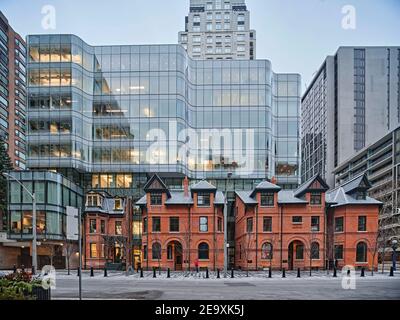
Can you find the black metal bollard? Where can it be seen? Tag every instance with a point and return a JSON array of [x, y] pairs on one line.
[[168, 273], [391, 274], [269, 273], [154, 273], [298, 272], [283, 273], [232, 273], [15, 269], [22, 268], [33, 270], [334, 272], [105, 272], [218, 275], [78, 272], [348, 272], [207, 275], [362, 272], [91, 272], [141, 272]]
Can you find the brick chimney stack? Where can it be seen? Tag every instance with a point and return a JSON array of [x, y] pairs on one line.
[[186, 186]]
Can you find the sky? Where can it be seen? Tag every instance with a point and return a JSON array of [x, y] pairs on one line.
[[296, 35]]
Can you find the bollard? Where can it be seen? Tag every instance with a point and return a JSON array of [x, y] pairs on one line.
[[298, 272], [78, 272], [168, 273], [33, 270], [105, 272], [22, 268], [207, 275], [15, 269], [141, 272], [362, 272], [232, 274], [91, 272], [334, 272], [269, 273], [348, 272], [391, 272], [218, 276], [283, 273], [154, 272]]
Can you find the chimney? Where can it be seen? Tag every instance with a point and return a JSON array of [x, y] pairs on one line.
[[273, 180], [186, 186]]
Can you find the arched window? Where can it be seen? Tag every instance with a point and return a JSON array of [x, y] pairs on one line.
[[315, 250], [266, 251], [156, 251], [361, 254], [203, 251]]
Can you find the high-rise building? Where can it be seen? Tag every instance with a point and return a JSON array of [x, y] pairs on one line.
[[353, 99], [95, 114], [12, 92], [218, 29]]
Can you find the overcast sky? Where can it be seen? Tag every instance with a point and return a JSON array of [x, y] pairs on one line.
[[296, 35]]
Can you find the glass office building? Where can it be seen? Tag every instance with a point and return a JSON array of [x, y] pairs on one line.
[[53, 194], [92, 113]]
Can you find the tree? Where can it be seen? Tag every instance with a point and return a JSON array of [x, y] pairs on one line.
[[313, 249], [69, 249], [5, 166]]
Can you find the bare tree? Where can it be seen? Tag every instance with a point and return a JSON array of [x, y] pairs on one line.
[[267, 249], [248, 248], [313, 249], [69, 249]]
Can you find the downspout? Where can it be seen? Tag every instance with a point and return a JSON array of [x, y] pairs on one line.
[[147, 235], [189, 238], [281, 235], [215, 237], [256, 209]]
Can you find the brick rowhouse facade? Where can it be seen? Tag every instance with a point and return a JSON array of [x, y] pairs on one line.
[[182, 229], [306, 228], [107, 231]]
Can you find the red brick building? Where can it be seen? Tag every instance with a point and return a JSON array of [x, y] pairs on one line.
[[107, 232], [182, 228], [306, 228]]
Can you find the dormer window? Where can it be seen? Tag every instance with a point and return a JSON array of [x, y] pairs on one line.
[[156, 199], [267, 199], [361, 195], [118, 204], [315, 199], [93, 201], [203, 199]]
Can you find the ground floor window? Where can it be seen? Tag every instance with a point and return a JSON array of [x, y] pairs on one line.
[[266, 251], [203, 251], [299, 252], [338, 252], [361, 254], [93, 250], [315, 250], [156, 251]]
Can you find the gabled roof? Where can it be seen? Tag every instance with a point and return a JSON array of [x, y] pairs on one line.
[[155, 184], [245, 196], [284, 197], [358, 183], [265, 186], [203, 185], [316, 183], [107, 206], [343, 194]]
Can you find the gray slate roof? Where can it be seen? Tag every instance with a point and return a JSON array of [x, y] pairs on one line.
[[203, 185], [302, 188], [339, 197], [265, 186], [284, 197], [179, 198], [107, 206]]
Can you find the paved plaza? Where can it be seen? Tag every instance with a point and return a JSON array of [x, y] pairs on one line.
[[257, 285]]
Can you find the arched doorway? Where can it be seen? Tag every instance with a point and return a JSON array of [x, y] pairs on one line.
[[175, 253], [295, 252]]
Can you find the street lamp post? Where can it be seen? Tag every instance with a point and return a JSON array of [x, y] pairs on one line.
[[394, 254], [34, 236], [226, 245]]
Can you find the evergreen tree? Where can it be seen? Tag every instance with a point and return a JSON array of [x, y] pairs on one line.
[[5, 165]]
